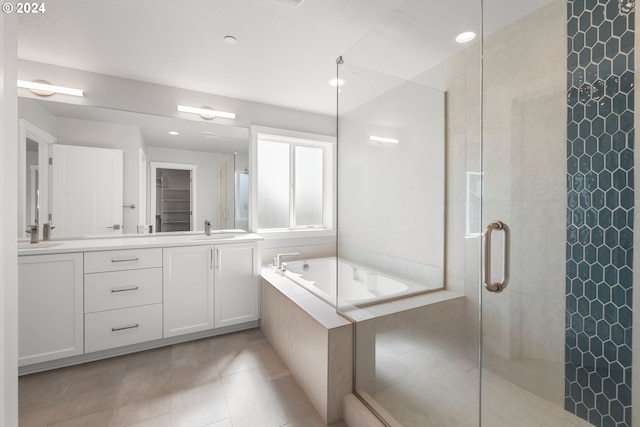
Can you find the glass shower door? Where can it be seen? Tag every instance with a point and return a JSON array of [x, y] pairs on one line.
[[557, 168]]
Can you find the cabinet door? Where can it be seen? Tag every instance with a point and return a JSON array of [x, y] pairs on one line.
[[50, 307], [236, 284], [188, 289]]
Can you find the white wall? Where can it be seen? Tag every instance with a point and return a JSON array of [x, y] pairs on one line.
[[8, 221], [107, 135], [206, 179], [35, 114]]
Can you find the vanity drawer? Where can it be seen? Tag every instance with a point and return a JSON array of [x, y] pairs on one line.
[[122, 289], [126, 326], [127, 259]]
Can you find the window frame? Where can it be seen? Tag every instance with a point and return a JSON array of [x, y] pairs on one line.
[[294, 139]]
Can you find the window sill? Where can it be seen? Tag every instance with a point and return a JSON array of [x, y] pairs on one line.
[[296, 237]]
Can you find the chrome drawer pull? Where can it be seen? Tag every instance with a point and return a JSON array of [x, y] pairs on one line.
[[133, 288], [122, 328], [125, 259]]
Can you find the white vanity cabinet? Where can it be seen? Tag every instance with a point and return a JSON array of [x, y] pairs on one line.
[[122, 298], [208, 287], [188, 289], [87, 300], [50, 307], [237, 298]]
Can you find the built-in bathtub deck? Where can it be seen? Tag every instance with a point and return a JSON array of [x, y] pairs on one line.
[[317, 343], [313, 340]]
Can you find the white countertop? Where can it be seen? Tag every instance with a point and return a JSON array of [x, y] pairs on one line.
[[133, 241]]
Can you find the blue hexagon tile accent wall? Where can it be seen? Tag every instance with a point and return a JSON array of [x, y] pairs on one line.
[[600, 204]]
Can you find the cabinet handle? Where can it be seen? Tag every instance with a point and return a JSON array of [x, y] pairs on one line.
[[217, 258], [210, 259], [124, 259], [133, 288], [122, 328]]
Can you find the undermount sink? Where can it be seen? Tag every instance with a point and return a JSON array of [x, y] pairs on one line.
[[214, 237], [39, 245]]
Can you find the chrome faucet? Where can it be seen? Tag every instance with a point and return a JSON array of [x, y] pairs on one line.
[[207, 227], [277, 261], [33, 230]]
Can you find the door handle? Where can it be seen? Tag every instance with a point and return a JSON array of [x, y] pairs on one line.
[[497, 286]]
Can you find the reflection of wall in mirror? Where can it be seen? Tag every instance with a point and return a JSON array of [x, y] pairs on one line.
[[241, 193], [31, 182]]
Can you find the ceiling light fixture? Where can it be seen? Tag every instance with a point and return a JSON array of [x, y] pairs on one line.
[[465, 37], [206, 113], [335, 82], [230, 40], [384, 140], [45, 88], [173, 132], [294, 3]]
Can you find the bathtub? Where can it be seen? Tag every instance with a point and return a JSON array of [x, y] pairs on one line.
[[358, 286]]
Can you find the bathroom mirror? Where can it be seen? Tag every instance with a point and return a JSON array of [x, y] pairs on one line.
[[217, 153], [33, 181]]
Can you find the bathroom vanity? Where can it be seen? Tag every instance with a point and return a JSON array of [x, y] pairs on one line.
[[88, 299]]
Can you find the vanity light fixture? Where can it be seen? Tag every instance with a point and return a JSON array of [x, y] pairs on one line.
[[292, 3], [44, 88], [384, 140], [206, 113], [465, 37]]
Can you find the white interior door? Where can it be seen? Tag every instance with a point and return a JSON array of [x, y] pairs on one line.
[[87, 191]]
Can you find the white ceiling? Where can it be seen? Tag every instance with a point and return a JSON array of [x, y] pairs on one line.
[[284, 55]]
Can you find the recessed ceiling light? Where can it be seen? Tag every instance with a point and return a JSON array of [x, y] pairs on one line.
[[173, 132], [335, 82], [230, 40], [465, 37], [210, 134]]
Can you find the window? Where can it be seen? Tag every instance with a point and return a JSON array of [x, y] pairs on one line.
[[294, 180]]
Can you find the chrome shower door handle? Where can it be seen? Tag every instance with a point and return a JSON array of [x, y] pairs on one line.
[[498, 286]]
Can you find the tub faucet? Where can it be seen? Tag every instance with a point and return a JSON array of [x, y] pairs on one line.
[[33, 230], [207, 227], [277, 261]]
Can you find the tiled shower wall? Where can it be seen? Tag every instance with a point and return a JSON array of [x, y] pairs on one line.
[[600, 199]]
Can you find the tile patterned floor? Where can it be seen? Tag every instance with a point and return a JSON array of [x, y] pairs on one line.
[[422, 384], [233, 380]]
